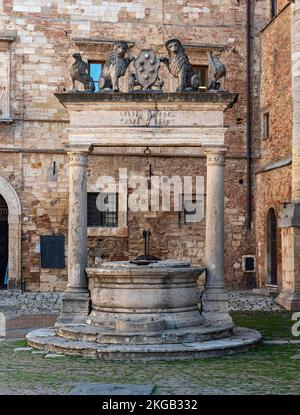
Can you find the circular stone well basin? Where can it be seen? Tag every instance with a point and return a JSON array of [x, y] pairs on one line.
[[154, 297]]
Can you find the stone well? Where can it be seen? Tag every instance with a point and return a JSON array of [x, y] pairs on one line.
[[127, 311], [154, 297], [145, 312]]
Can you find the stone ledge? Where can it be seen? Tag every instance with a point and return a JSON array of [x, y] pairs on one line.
[[6, 120], [94, 334], [290, 216], [242, 340], [140, 96]]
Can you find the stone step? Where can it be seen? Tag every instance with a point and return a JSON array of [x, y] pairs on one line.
[[93, 334], [242, 340]]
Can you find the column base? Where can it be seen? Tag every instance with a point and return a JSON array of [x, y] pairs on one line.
[[290, 301], [215, 308], [75, 308]]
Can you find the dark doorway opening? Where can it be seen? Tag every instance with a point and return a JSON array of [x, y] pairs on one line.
[[3, 243], [272, 247]]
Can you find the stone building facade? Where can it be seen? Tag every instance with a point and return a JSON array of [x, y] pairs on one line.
[[37, 40]]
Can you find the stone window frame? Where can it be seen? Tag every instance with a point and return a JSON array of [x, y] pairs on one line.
[[5, 46], [266, 125], [100, 216], [120, 231], [273, 8], [244, 260], [94, 61]]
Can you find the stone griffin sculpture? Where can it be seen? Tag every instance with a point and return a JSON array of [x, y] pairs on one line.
[[179, 66], [216, 71], [79, 72], [115, 66]]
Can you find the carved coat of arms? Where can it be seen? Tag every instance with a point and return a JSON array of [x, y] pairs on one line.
[[146, 67]]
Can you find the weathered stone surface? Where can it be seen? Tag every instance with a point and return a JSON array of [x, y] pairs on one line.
[[93, 334], [144, 294], [242, 340]]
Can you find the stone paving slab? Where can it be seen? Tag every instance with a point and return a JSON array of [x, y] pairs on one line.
[[23, 349], [54, 355], [111, 389], [281, 341]]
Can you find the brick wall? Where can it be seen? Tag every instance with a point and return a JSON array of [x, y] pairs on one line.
[[273, 188], [40, 59]]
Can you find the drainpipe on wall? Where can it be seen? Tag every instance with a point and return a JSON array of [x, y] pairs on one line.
[[249, 119]]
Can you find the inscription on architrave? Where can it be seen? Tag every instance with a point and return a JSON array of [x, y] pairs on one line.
[[147, 118]]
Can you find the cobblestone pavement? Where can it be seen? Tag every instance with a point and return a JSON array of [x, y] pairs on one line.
[[246, 300], [50, 303], [35, 303]]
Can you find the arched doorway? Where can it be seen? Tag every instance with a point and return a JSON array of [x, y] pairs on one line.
[[3, 242], [272, 247], [11, 229]]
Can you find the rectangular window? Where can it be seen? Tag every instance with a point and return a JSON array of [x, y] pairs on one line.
[[273, 8], [95, 69], [53, 251], [192, 210], [102, 210], [266, 125], [202, 72], [248, 263]]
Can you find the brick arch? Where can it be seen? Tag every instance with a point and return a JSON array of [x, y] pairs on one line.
[[14, 232]]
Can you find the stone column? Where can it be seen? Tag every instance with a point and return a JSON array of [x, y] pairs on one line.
[[215, 297], [289, 223], [76, 298]]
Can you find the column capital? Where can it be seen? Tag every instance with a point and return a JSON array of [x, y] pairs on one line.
[[215, 154], [78, 155]]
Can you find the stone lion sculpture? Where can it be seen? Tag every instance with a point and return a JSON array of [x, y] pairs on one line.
[[115, 66], [79, 72], [179, 66]]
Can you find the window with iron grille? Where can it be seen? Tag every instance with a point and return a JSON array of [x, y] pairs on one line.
[[95, 69], [102, 210], [202, 72]]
